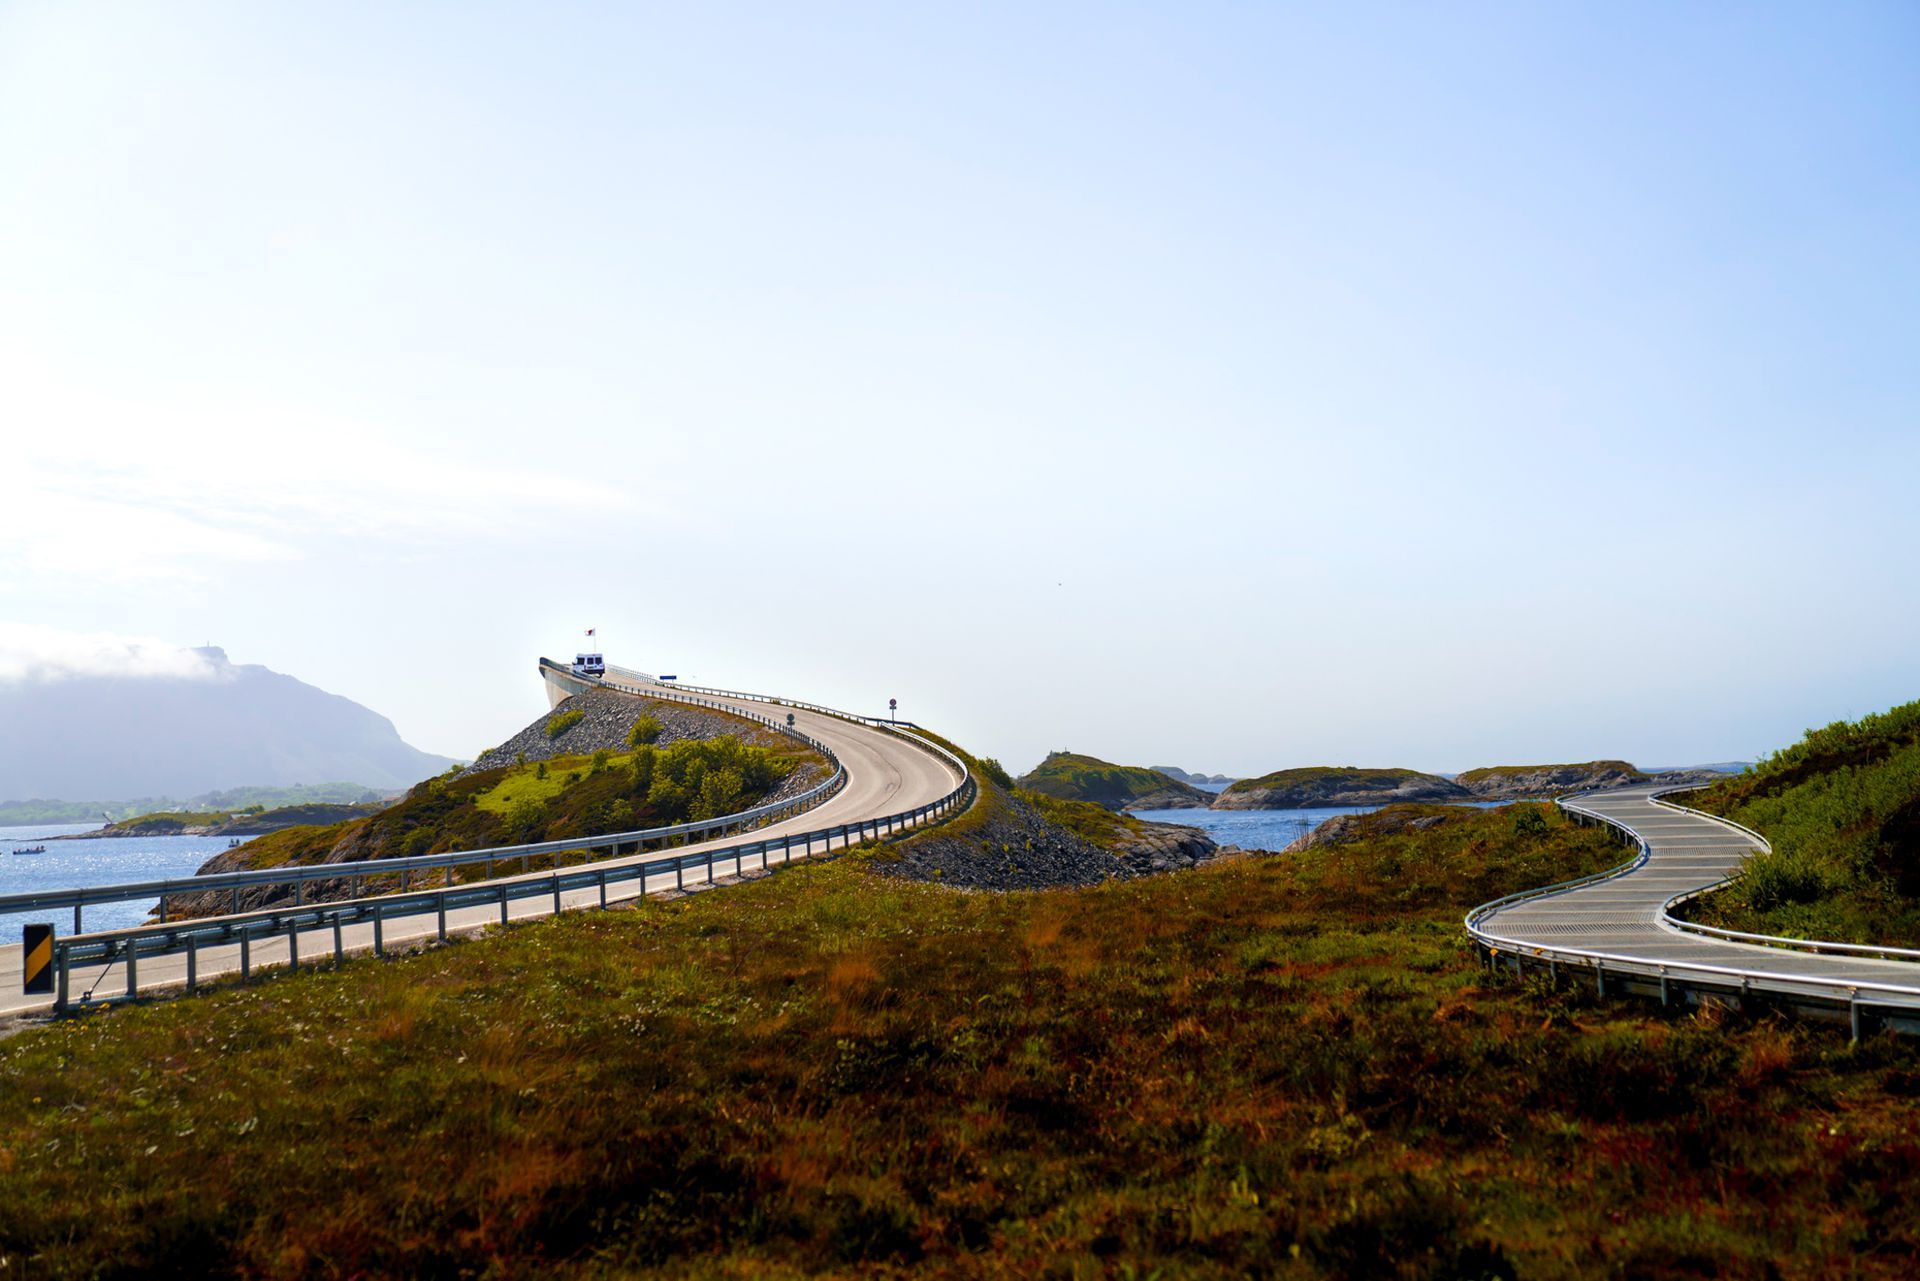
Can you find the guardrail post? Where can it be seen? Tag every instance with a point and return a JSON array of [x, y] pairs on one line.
[[76, 920], [503, 905], [236, 900], [556, 893], [1600, 978], [133, 970], [246, 955], [193, 964], [339, 942], [293, 946], [603, 887], [60, 992], [379, 932], [441, 904]]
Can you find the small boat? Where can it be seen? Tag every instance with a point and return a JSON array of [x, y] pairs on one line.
[[32, 849]]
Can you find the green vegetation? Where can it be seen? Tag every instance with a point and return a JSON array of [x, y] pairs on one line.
[[554, 800], [1285, 1066], [1499, 773], [166, 823], [1841, 809], [560, 724], [1350, 777], [1102, 826], [645, 731], [1073, 777]]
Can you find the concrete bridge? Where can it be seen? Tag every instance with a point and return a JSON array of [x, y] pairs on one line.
[[889, 780]]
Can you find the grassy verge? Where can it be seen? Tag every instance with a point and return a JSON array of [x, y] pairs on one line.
[[1841, 809], [1270, 1066]]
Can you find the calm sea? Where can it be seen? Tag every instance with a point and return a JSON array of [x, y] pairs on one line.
[[67, 864], [1261, 829]]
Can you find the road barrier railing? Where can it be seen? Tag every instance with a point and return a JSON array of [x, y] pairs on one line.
[[1818, 947], [295, 924], [300, 877], [1860, 997]]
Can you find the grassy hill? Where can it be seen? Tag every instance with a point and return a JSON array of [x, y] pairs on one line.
[[1070, 776], [1262, 1067], [1841, 809], [548, 800]]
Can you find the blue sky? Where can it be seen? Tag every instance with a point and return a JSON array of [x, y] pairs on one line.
[[1217, 385]]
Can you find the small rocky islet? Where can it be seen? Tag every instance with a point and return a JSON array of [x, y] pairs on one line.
[[1073, 776]]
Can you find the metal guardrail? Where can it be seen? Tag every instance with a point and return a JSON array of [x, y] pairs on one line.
[[1846, 992], [613, 844], [656, 688], [127, 947], [1818, 947]]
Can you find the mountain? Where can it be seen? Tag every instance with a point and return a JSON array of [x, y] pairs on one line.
[[1179, 775], [1070, 777], [220, 725]]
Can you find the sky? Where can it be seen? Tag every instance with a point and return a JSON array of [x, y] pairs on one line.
[[1227, 386]]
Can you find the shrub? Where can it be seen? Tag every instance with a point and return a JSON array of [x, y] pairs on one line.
[[565, 721], [995, 771], [645, 732]]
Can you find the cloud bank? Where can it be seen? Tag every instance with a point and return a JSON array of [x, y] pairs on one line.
[[30, 653]]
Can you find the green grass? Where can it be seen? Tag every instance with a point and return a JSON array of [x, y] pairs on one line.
[[564, 721], [1286, 1067], [1841, 809], [532, 784], [1073, 777], [572, 796]]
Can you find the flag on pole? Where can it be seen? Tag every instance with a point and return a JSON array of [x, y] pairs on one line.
[[591, 630]]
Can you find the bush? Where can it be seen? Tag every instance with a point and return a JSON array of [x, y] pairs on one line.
[[645, 732], [565, 721], [995, 771]]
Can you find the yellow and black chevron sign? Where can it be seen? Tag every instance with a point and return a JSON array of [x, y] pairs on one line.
[[37, 945]]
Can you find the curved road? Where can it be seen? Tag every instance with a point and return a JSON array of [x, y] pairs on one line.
[[886, 774], [1621, 922]]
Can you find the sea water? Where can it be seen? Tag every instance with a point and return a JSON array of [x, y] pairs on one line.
[[1263, 829], [99, 861]]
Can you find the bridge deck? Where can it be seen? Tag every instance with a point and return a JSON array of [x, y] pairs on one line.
[[1624, 916]]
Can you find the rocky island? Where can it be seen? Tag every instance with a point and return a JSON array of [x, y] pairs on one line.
[[1327, 785], [1069, 776], [1537, 782]]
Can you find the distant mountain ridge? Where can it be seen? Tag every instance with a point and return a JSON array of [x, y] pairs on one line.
[[236, 725]]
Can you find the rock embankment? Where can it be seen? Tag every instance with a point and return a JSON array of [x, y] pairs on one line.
[[1315, 787], [1018, 849], [608, 716]]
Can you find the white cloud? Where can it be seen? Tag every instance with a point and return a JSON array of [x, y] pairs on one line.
[[30, 653], [111, 490]]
